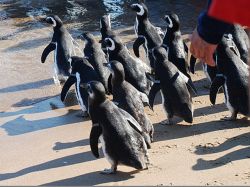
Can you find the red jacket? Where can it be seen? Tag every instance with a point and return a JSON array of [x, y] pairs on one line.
[[232, 11]]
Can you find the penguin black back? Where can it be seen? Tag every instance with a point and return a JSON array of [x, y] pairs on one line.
[[177, 100], [62, 44], [174, 42], [135, 69], [95, 55], [147, 34], [120, 134], [233, 77], [130, 99]]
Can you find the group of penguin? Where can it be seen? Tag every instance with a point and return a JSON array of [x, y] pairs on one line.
[[107, 67]]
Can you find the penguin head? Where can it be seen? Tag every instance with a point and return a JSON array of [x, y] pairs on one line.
[[113, 43], [87, 36], [226, 47], [105, 22], [140, 9], [117, 71], [54, 20], [160, 54], [225, 51], [173, 22], [96, 92]]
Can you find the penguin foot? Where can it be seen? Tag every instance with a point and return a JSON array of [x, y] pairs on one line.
[[167, 122], [231, 118], [56, 81], [82, 114], [110, 171]]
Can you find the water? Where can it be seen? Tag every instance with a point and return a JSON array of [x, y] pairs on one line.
[[85, 14]]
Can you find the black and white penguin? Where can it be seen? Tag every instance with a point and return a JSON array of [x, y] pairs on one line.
[[106, 27], [145, 31], [119, 133], [241, 40], [177, 49], [135, 69], [81, 72], [173, 84], [130, 99], [232, 76], [63, 45], [95, 55]]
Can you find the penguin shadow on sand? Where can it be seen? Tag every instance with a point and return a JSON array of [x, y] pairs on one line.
[[67, 145], [180, 130], [29, 119], [91, 179], [52, 164], [27, 45], [27, 86], [241, 154]]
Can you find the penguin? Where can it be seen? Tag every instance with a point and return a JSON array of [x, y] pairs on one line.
[[135, 69], [145, 31], [106, 30], [63, 45], [177, 49], [232, 75], [128, 98], [241, 41], [95, 55], [81, 72], [177, 100], [119, 133]]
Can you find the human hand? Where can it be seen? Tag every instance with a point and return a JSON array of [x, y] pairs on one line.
[[201, 49]]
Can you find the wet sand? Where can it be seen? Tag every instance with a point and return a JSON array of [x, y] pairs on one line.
[[44, 143]]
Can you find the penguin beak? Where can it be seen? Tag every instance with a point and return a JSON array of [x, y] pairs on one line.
[[42, 19]]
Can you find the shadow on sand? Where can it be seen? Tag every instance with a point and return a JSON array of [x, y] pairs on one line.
[[93, 178], [57, 163], [244, 153]]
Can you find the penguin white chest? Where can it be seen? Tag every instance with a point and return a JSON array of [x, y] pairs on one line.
[[136, 26], [110, 160], [78, 82], [229, 106], [55, 59]]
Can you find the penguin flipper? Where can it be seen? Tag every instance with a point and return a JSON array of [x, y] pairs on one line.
[[47, 50], [192, 64], [185, 47], [132, 122], [189, 83], [138, 42], [71, 80], [154, 90], [217, 83], [191, 87], [95, 133]]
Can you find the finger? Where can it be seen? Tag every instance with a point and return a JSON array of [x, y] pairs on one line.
[[208, 59]]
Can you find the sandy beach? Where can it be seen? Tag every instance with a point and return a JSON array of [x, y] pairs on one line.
[[43, 142]]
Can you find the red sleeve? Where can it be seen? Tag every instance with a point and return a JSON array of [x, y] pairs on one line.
[[232, 11]]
